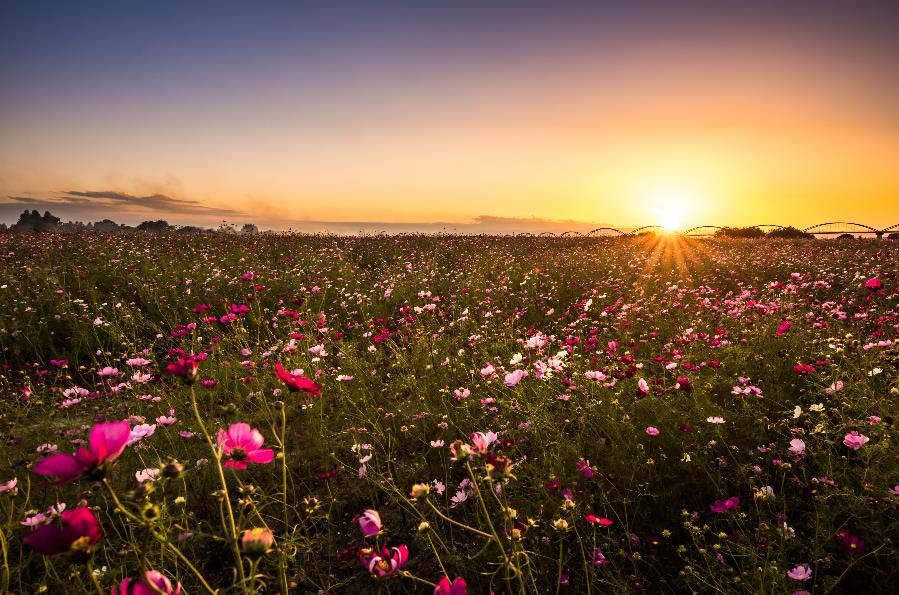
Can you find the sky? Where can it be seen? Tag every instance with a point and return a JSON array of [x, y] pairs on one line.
[[451, 115]]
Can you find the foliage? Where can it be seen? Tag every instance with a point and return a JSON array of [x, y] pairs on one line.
[[598, 415]]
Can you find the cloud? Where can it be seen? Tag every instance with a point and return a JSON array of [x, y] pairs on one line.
[[154, 202], [93, 205]]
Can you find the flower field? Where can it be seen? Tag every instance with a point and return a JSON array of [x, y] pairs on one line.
[[441, 414]]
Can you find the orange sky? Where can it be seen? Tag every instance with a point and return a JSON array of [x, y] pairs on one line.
[[695, 126]]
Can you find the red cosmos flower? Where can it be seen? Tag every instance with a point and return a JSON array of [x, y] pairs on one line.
[[78, 531], [873, 284], [784, 327], [803, 369], [458, 587], [297, 382], [185, 368], [598, 520], [152, 583], [684, 384], [386, 563], [107, 441]]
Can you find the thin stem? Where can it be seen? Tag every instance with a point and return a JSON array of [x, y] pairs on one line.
[[216, 455], [457, 523]]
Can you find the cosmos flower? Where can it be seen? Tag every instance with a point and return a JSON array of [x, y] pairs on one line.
[[854, 440], [385, 563], [720, 506], [797, 446], [652, 431], [77, 532], [369, 522], [152, 582], [297, 382], [107, 441], [801, 572], [457, 587], [184, 368], [240, 444]]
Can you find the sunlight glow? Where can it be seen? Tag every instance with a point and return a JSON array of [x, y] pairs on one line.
[[671, 207]]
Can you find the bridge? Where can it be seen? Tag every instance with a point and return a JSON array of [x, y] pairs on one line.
[[830, 228], [843, 228]]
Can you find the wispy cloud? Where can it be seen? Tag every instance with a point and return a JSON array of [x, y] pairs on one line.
[[97, 204]]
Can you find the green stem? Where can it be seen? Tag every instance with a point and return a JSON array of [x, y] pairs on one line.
[[216, 455]]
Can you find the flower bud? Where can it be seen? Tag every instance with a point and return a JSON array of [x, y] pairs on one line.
[[256, 542]]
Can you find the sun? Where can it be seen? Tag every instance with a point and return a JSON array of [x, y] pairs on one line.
[[670, 207], [670, 220]]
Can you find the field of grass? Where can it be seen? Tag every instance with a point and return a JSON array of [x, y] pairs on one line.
[[530, 415]]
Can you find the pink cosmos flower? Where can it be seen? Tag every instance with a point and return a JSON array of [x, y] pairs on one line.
[[369, 522], [720, 506], [240, 443], [458, 587], [854, 440], [797, 446], [107, 441], [642, 388], [801, 572], [297, 382], [9, 486], [152, 583], [652, 431], [784, 327], [387, 562], [78, 531], [482, 441], [513, 378]]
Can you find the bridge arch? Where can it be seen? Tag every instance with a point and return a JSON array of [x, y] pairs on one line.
[[702, 230], [599, 231], [839, 228], [891, 227], [646, 229], [571, 233]]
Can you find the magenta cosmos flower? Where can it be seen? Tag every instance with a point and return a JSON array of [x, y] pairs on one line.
[[77, 531], [720, 506], [386, 563], [240, 444], [107, 441], [152, 583], [457, 587], [370, 522], [297, 382], [854, 440]]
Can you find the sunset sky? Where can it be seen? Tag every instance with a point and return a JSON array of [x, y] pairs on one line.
[[423, 112]]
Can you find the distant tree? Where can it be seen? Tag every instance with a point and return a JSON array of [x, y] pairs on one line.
[[739, 232], [249, 228], [790, 232], [894, 236], [33, 221], [106, 225], [154, 226], [845, 236]]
